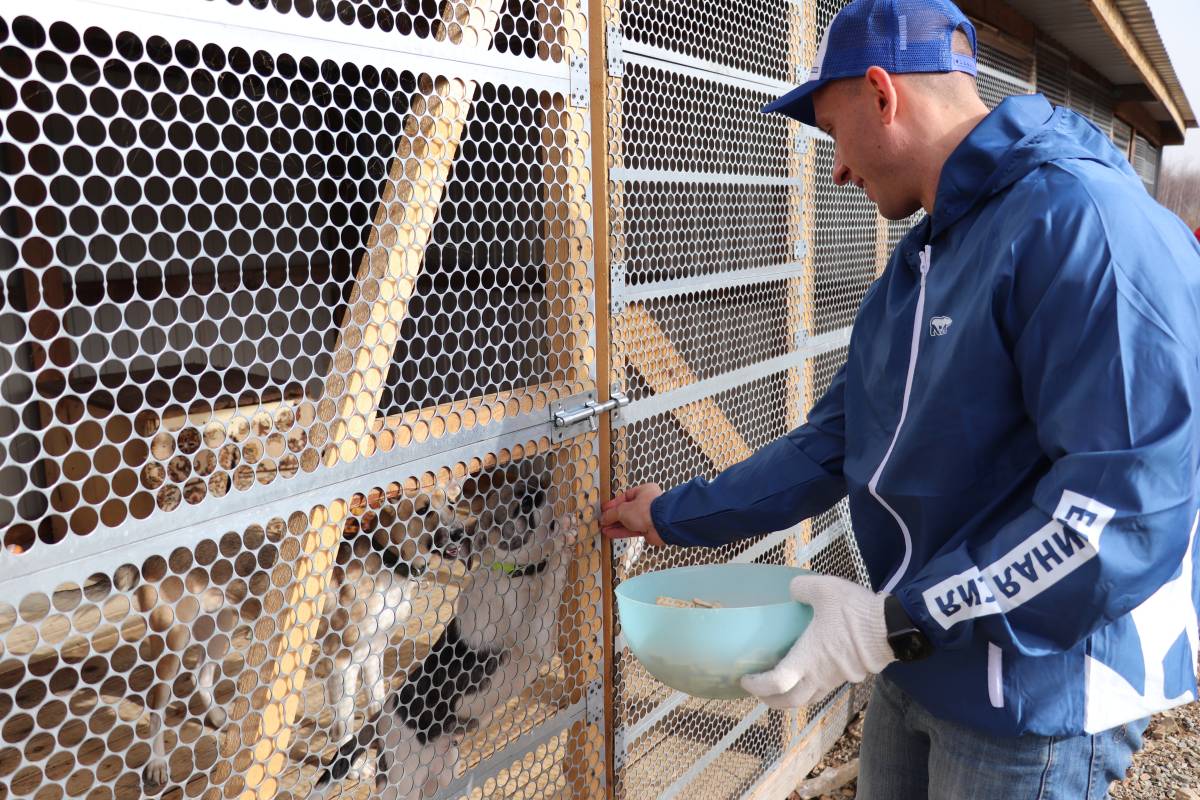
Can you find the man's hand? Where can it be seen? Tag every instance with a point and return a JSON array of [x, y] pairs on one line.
[[846, 641], [628, 514]]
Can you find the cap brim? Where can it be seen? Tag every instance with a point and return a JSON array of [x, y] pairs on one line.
[[797, 103]]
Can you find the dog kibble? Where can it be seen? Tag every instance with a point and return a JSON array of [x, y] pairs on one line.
[[695, 602]]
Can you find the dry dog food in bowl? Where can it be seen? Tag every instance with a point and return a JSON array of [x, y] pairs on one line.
[[740, 618]]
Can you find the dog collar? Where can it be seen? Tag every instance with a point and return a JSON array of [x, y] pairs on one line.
[[514, 570]]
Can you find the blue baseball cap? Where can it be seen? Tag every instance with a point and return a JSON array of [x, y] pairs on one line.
[[897, 35]]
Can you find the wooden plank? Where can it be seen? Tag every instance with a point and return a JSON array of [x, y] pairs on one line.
[[664, 369], [387, 277], [1004, 42], [1136, 115], [1119, 30], [287, 667], [802, 48], [384, 283], [1002, 17], [450, 418], [882, 251], [798, 762], [601, 12], [607, 217]]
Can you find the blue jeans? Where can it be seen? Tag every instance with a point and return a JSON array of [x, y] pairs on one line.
[[908, 754]]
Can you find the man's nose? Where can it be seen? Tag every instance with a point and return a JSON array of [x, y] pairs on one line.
[[841, 173]]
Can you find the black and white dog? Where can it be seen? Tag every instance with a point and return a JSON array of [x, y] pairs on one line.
[[504, 529]]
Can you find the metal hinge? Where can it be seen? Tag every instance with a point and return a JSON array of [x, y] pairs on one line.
[[581, 409], [580, 90], [801, 141], [616, 288], [620, 751], [614, 49], [594, 702]]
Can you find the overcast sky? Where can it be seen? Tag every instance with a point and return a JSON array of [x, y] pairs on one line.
[[1178, 21]]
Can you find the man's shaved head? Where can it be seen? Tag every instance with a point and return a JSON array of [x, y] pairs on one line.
[[892, 133]]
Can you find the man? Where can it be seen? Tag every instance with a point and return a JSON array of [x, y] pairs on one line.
[[1016, 427]]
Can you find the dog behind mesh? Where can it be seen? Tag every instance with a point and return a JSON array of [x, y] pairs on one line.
[[503, 531]]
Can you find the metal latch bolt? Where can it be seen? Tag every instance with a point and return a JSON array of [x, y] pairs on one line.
[[565, 418]]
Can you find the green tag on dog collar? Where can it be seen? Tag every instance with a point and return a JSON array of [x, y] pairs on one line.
[[515, 570]]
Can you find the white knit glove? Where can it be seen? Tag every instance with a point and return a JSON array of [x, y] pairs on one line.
[[846, 641]]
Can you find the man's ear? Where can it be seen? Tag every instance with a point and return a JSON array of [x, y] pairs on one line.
[[882, 90]]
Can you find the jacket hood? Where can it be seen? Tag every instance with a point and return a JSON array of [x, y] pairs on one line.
[[1020, 135]]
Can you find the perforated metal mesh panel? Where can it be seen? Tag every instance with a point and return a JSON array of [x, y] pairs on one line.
[[1145, 161], [744, 36], [1122, 135], [675, 231], [1065, 86], [1002, 73], [737, 270], [289, 292], [1093, 102], [1053, 75]]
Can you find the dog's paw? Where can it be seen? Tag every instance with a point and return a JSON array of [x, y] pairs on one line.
[[155, 775]]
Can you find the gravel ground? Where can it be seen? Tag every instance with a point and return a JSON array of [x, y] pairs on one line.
[[1167, 768]]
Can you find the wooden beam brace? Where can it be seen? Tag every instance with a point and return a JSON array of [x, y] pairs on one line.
[[384, 283], [1117, 27], [1134, 92], [1137, 116], [1001, 16], [664, 369]]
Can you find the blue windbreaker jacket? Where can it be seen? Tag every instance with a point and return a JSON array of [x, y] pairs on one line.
[[1016, 427]]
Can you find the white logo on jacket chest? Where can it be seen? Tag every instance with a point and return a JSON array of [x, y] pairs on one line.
[[940, 326]]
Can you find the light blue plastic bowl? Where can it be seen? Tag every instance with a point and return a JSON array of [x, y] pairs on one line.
[[704, 652]]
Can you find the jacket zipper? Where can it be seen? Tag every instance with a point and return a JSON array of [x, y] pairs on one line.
[[995, 676], [873, 486]]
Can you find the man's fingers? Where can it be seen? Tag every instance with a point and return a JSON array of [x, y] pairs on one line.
[[613, 503], [815, 590], [800, 695], [773, 682], [609, 515], [790, 670]]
